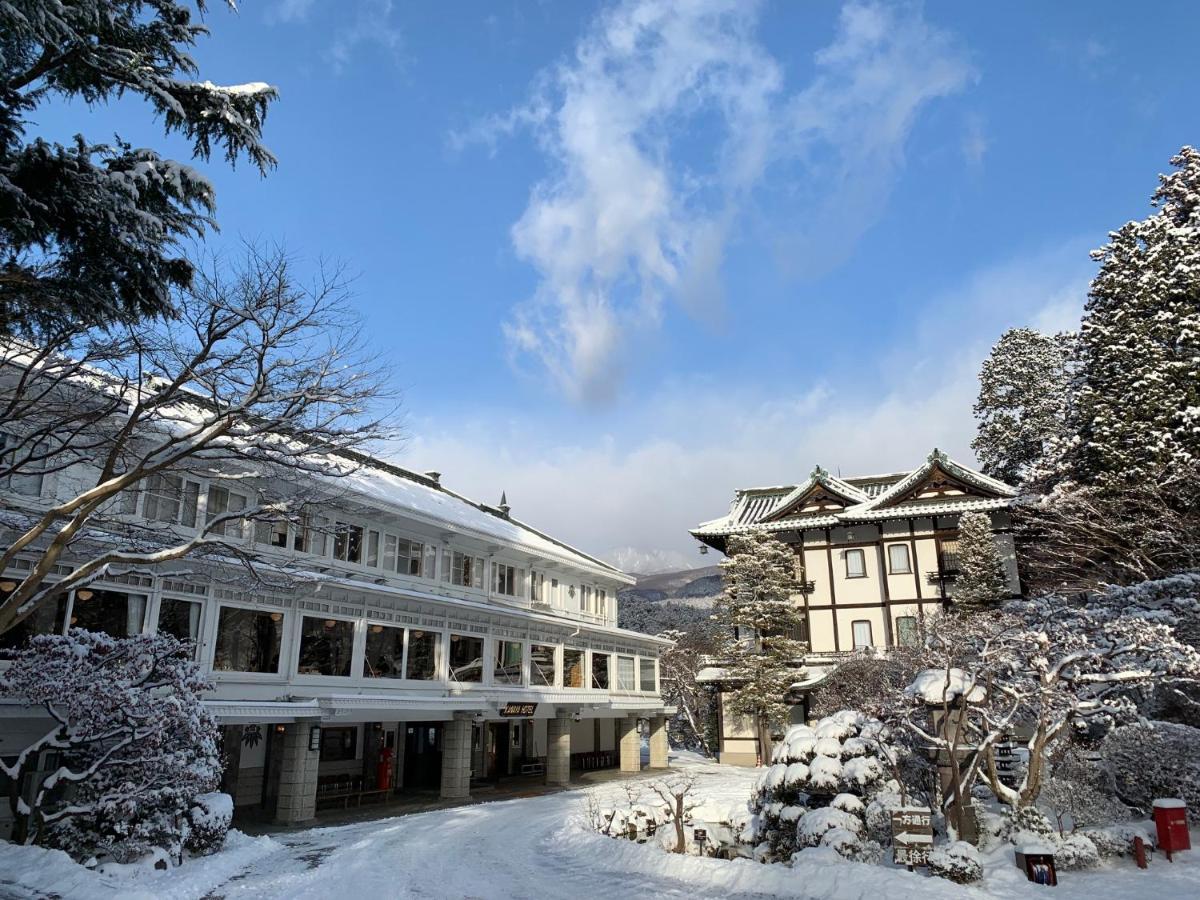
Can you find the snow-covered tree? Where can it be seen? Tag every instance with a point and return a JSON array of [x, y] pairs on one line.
[[981, 583], [861, 682], [760, 616], [1148, 760], [259, 387], [136, 745], [91, 232], [818, 788], [1078, 793], [677, 670], [1022, 403]]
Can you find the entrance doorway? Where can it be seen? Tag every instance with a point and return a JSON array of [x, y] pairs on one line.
[[496, 752], [423, 755]]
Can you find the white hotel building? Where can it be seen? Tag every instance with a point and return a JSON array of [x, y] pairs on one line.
[[433, 643]]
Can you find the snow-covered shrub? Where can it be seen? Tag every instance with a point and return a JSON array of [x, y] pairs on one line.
[[958, 862], [1115, 841], [208, 823], [821, 780], [1028, 825], [1076, 851], [1152, 760], [136, 744]]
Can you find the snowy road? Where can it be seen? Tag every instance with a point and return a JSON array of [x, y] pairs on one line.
[[536, 847]]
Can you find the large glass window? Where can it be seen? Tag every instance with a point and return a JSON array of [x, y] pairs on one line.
[[906, 631], [537, 587], [347, 542], [271, 533], [48, 618], [862, 633], [422, 655], [26, 480], [179, 618], [856, 564], [326, 646], [646, 676], [466, 658], [220, 502], [898, 559], [573, 668], [409, 555], [339, 744], [385, 652], [248, 640], [113, 612], [461, 569], [541, 665], [600, 671], [171, 499], [372, 559], [509, 656], [625, 674], [506, 579]]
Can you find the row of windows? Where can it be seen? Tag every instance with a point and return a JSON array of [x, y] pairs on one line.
[[899, 560], [906, 632]]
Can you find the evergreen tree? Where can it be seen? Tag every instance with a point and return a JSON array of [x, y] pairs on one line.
[[981, 582], [90, 232], [757, 609], [1138, 408], [1022, 403]]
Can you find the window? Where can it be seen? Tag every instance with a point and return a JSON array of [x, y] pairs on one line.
[[856, 564], [602, 603], [506, 579], [47, 618], [408, 557], [541, 665], [898, 563], [248, 640], [309, 536], [625, 676], [422, 656], [220, 502], [179, 618], [116, 614], [648, 683], [509, 656], [372, 559], [427, 568], [271, 533], [172, 500], [862, 634], [537, 587], [326, 646], [585, 599], [339, 744], [466, 658], [384, 655], [26, 480], [347, 542], [600, 671], [948, 556], [906, 631], [573, 668], [461, 569]]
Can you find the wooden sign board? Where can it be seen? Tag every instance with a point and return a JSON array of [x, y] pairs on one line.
[[912, 835], [518, 710]]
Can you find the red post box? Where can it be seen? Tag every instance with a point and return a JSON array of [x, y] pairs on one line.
[[383, 771], [1170, 820]]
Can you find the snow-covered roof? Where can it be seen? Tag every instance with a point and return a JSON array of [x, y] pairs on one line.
[[867, 498]]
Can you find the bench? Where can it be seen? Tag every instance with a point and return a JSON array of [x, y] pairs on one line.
[[536, 767], [343, 790]]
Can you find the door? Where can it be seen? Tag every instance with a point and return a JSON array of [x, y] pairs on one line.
[[423, 755], [497, 750]]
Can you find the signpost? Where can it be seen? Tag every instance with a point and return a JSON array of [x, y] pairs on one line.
[[912, 835], [701, 835], [518, 710]]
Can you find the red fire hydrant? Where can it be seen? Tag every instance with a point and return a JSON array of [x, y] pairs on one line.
[[1170, 820], [383, 771]]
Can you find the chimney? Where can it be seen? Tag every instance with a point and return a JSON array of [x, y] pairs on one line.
[[435, 477]]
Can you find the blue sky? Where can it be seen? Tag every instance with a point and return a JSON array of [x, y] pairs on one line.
[[626, 257]]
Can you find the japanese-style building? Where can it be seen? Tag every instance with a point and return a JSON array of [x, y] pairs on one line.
[[875, 554], [431, 642]]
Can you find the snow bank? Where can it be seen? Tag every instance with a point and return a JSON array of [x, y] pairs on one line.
[[935, 686]]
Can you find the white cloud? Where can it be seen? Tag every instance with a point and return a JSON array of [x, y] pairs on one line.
[[632, 214], [974, 143], [371, 24], [287, 11], [681, 453]]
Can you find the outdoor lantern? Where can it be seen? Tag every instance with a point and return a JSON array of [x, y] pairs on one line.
[[276, 617], [83, 595], [314, 737], [8, 585], [280, 729]]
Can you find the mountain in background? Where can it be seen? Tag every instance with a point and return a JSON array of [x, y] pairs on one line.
[[692, 587], [648, 562]]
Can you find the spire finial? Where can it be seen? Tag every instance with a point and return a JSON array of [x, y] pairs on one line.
[[504, 507]]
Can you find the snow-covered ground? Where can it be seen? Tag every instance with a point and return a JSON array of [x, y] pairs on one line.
[[539, 847]]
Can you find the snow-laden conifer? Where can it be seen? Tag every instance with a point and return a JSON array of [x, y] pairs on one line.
[[980, 582]]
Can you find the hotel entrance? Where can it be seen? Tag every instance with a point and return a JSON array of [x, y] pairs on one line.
[[423, 755]]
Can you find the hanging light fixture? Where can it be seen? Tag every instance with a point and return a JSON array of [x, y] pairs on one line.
[[329, 623], [276, 617], [84, 595], [8, 586], [376, 629]]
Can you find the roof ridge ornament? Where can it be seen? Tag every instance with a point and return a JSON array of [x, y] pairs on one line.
[[937, 456], [818, 473]]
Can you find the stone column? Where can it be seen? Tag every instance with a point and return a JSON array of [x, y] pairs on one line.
[[456, 760], [558, 750], [658, 742], [631, 745], [297, 800]]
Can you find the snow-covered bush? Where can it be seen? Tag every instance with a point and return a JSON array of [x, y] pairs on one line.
[[959, 862], [137, 746], [1076, 851], [1152, 760], [817, 790], [1115, 841], [208, 823]]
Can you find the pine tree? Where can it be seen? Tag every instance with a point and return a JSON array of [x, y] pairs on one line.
[[89, 232], [1022, 403], [757, 609], [981, 582], [1138, 409]]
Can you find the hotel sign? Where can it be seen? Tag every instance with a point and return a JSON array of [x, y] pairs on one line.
[[518, 710]]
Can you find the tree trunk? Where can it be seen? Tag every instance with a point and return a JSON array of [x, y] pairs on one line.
[[680, 838]]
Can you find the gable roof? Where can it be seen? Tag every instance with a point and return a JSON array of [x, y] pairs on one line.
[[939, 486]]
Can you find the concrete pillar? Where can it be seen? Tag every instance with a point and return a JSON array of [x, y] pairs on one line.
[[456, 760], [658, 742], [631, 745], [297, 799], [558, 750]]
